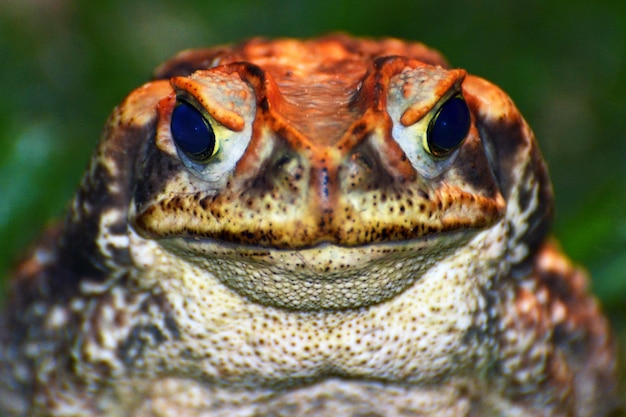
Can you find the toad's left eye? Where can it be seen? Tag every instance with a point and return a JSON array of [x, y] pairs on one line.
[[449, 127], [192, 133]]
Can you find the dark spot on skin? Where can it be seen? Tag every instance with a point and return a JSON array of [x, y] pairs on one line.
[[378, 93], [526, 189], [205, 203], [140, 338], [264, 105], [423, 194], [118, 228], [255, 71], [358, 129], [325, 181], [121, 256], [172, 326], [474, 336], [380, 62]]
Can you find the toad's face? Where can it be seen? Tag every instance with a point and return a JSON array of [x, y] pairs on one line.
[[310, 171]]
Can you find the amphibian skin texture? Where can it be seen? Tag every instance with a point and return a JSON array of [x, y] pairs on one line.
[[329, 227]]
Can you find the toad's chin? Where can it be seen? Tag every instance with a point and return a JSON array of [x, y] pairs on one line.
[[323, 277]]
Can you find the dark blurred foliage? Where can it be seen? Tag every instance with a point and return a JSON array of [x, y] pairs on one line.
[[64, 64]]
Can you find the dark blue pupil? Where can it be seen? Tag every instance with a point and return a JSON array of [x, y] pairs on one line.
[[449, 127], [192, 133]]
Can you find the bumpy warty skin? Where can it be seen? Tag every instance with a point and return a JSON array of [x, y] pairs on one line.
[[329, 257]]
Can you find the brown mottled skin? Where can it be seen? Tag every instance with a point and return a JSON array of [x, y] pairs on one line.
[[326, 260]]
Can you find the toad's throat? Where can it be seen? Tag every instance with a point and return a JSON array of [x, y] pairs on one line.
[[323, 277]]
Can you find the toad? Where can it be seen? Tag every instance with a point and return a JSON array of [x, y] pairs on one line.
[[327, 227]]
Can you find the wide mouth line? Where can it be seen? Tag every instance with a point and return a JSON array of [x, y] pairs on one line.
[[325, 245]]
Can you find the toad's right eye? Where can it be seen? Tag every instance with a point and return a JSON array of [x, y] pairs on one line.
[[193, 133]]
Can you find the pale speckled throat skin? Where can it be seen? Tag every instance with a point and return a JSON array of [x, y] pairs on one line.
[[323, 263]]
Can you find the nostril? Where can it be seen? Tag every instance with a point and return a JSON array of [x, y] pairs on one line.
[[282, 161], [359, 172], [288, 167], [363, 160]]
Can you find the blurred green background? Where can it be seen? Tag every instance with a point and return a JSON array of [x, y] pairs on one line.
[[64, 64]]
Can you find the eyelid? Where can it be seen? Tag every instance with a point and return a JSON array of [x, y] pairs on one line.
[[448, 85], [228, 118]]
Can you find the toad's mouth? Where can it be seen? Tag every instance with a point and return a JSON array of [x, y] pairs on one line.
[[322, 277], [307, 223]]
